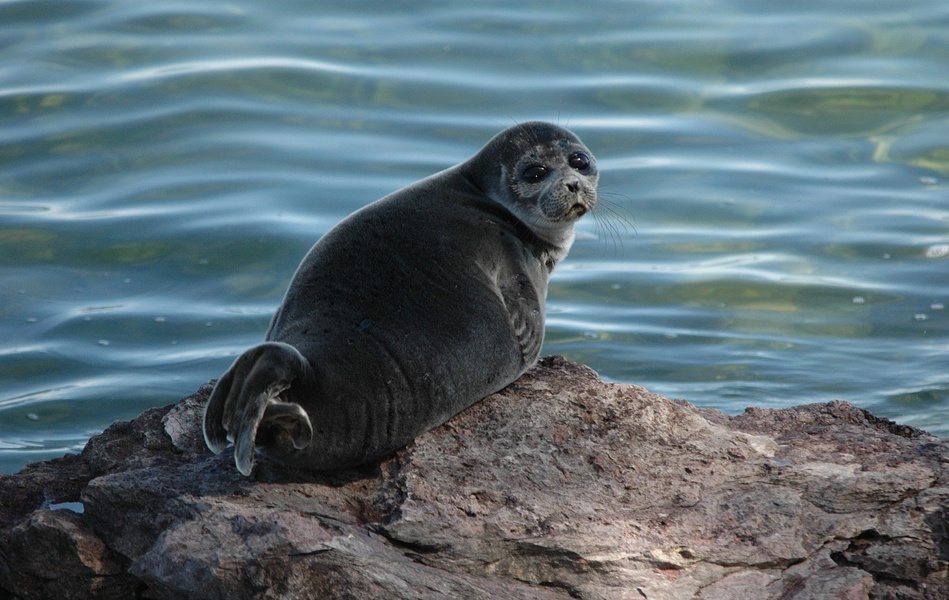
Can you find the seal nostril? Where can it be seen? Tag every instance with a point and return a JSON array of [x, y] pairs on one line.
[[573, 186]]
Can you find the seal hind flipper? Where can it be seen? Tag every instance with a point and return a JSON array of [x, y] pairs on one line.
[[248, 396], [286, 425], [215, 436], [245, 431]]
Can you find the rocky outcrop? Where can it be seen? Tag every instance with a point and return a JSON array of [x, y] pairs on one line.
[[560, 486]]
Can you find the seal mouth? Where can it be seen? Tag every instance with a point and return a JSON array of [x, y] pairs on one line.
[[577, 210]]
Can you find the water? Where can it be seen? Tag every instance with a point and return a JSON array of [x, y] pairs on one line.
[[774, 227]]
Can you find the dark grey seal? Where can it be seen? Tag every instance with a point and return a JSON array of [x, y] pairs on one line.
[[411, 309]]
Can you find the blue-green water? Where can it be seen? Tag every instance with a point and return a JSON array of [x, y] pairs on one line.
[[774, 227]]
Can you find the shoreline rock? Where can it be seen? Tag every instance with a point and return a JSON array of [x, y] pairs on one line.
[[559, 486]]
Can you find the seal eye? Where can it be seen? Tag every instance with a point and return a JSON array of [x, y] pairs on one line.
[[579, 161], [534, 173]]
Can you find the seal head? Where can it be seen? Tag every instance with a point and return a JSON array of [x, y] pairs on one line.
[[543, 174]]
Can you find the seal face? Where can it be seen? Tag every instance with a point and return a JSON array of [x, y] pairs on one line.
[[411, 309]]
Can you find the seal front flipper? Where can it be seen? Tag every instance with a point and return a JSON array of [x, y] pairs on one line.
[[525, 314], [527, 333], [248, 398]]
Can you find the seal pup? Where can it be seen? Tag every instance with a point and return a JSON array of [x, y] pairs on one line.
[[411, 309]]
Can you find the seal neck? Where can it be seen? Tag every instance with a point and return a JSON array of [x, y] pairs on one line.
[[547, 252]]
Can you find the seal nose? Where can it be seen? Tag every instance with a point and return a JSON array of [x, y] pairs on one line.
[[573, 185]]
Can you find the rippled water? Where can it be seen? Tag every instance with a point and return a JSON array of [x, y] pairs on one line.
[[775, 219]]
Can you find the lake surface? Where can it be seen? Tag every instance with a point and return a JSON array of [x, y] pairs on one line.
[[774, 218]]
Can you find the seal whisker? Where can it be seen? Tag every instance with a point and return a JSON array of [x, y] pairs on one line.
[[611, 219]]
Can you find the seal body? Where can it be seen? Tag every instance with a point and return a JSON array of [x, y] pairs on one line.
[[410, 309]]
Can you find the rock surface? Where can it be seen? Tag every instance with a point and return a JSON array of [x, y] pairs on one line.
[[560, 486]]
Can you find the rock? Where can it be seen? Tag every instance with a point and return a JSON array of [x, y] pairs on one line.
[[559, 486]]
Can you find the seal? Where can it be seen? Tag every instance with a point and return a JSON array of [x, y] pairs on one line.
[[411, 309]]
